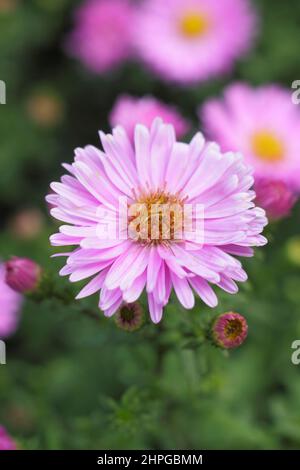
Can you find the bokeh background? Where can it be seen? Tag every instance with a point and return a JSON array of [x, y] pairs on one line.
[[76, 382]]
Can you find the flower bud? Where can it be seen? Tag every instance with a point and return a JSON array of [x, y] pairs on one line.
[[229, 330], [22, 274], [130, 317]]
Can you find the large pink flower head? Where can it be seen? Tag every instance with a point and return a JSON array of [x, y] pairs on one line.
[[129, 111], [263, 124], [10, 304], [134, 184], [193, 40], [101, 36]]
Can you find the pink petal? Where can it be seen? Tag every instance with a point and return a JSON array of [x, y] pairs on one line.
[[204, 291], [183, 291], [93, 286], [155, 309], [154, 264]]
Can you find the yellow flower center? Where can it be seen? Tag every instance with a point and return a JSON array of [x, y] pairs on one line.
[[267, 146], [156, 218], [194, 24]]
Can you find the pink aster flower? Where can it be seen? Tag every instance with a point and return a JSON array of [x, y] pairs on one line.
[[6, 442], [193, 40], [156, 170], [129, 111], [275, 197], [263, 124], [229, 330], [101, 37], [10, 304]]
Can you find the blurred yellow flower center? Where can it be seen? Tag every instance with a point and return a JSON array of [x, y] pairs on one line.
[[267, 146], [194, 24]]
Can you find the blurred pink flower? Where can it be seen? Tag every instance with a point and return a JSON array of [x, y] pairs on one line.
[[101, 36], [27, 224], [193, 40], [275, 197], [155, 170], [129, 111], [263, 124], [6, 442], [230, 330], [10, 304]]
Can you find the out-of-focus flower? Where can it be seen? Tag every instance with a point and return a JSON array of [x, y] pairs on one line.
[[8, 6], [22, 274], [275, 197], [130, 317], [27, 224], [193, 40], [157, 170], [45, 109], [292, 250], [6, 441], [101, 38], [263, 124], [129, 111], [19, 416], [10, 304], [229, 330]]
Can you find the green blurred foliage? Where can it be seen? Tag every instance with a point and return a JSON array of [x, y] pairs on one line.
[[74, 381]]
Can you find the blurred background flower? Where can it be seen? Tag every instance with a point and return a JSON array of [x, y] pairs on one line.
[[45, 108], [263, 124], [275, 197], [10, 305], [101, 38], [193, 40], [129, 111], [27, 224], [6, 442], [7, 6]]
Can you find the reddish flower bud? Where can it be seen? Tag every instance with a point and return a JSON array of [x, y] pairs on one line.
[[229, 330], [130, 317], [275, 197], [22, 274]]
